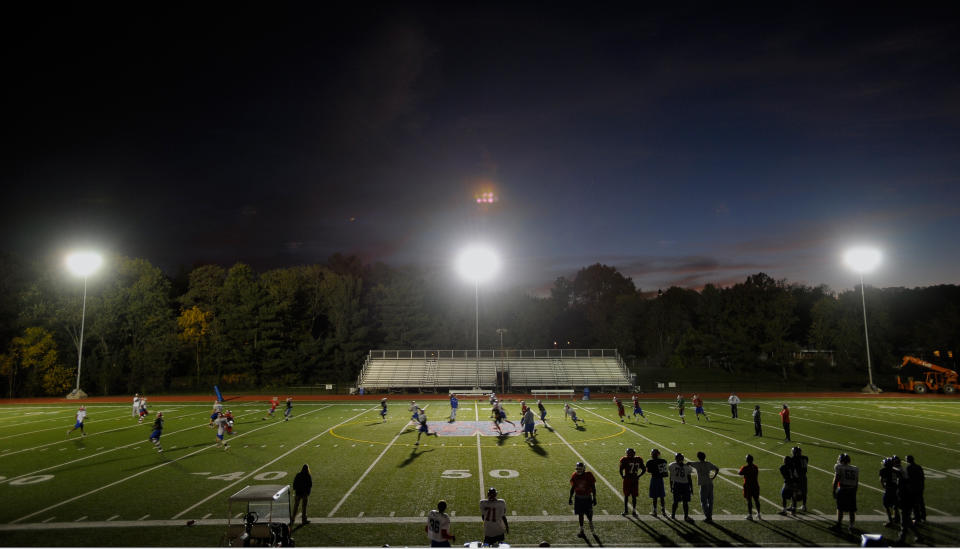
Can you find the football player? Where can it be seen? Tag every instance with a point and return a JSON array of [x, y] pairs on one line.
[[751, 486], [438, 526], [637, 411], [221, 425], [81, 417], [889, 480], [846, 478], [704, 479], [543, 412], [680, 486], [657, 467], [493, 511], [274, 402], [631, 469], [571, 413], [157, 431], [422, 418], [383, 409], [288, 412], [583, 485], [620, 411], [681, 402], [698, 407], [800, 463]]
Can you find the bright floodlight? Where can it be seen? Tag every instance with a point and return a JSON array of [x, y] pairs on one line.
[[862, 260], [478, 263], [84, 263]]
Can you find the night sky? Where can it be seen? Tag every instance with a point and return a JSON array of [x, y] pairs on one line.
[[687, 145]]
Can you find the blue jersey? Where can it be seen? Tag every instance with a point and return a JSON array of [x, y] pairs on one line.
[[454, 403]]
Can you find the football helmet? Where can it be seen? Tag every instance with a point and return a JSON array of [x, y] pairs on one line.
[[796, 451], [654, 453], [631, 452], [159, 414], [678, 457], [581, 467], [492, 492], [844, 458]]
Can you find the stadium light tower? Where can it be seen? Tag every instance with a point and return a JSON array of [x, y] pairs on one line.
[[478, 264], [82, 264], [864, 260]]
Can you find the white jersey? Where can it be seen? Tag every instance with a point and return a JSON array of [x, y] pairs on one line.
[[528, 418], [680, 472], [734, 399], [492, 513], [221, 423], [217, 406], [81, 414], [703, 469], [568, 410], [437, 522], [136, 405], [848, 476]]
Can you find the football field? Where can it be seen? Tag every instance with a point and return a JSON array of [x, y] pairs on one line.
[[372, 485]]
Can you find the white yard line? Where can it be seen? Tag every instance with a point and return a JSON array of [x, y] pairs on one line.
[[271, 462], [365, 473], [814, 410], [145, 471]]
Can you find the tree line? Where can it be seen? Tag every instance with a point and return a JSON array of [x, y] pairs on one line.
[[149, 332]]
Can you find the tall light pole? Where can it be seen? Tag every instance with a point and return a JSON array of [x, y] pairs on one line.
[[478, 264], [82, 264], [863, 260], [503, 382]]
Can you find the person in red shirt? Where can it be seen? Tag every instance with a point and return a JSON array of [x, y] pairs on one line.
[[785, 419], [751, 486], [620, 410], [584, 486], [631, 469], [698, 407]]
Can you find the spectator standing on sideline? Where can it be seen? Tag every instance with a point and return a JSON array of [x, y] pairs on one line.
[[493, 511], [705, 481], [157, 431], [733, 400], [757, 426], [751, 486], [785, 420], [680, 486], [846, 477], [454, 404], [583, 485], [916, 484], [438, 526], [905, 497], [302, 485], [81, 417]]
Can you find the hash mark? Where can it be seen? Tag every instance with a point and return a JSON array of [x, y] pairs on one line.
[[360, 515], [49, 519], [84, 517], [144, 516], [113, 517], [545, 512]]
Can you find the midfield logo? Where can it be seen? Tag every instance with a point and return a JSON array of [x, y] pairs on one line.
[[471, 428]]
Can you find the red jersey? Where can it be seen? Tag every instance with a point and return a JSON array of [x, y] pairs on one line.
[[620, 406], [698, 402], [785, 415], [583, 485], [523, 409], [749, 473], [632, 467]]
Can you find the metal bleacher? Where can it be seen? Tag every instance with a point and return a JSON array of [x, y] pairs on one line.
[[440, 370]]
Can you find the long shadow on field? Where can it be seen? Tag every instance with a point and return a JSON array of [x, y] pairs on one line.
[[787, 534], [828, 526], [693, 534], [413, 456], [732, 535], [537, 449], [656, 536]]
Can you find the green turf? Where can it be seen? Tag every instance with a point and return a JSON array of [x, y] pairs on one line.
[[372, 484]]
